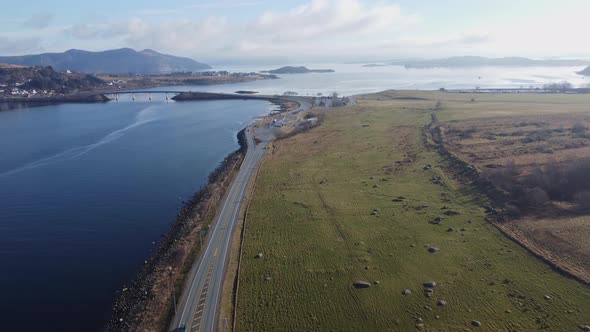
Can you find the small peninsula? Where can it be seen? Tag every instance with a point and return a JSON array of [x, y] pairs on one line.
[[298, 70]]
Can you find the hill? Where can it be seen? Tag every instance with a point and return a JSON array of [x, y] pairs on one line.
[[585, 72], [298, 70], [478, 61], [120, 61], [22, 81]]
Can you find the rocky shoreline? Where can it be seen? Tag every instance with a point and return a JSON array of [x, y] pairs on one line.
[[150, 288], [21, 102]]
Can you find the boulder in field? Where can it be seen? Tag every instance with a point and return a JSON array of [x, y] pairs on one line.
[[361, 284], [429, 284]]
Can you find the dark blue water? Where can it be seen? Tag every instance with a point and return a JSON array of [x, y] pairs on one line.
[[86, 189]]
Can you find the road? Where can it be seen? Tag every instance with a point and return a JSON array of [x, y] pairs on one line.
[[198, 307]]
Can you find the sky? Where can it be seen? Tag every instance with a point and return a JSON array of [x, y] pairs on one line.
[[310, 30]]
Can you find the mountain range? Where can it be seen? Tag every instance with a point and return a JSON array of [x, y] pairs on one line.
[[119, 61]]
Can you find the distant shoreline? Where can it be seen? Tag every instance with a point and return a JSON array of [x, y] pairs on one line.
[[298, 70]]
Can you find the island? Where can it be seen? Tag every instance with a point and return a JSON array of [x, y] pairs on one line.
[[298, 70]]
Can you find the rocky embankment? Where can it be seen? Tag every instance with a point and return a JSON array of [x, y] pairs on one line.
[[144, 304], [16, 103], [285, 103]]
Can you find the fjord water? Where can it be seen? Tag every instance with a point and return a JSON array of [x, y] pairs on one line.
[[353, 79], [86, 189]]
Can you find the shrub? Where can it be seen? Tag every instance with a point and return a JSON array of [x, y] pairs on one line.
[[535, 197], [537, 136], [468, 133], [580, 130], [582, 199], [512, 210], [489, 135]]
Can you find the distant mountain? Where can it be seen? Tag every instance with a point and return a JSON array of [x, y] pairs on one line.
[[585, 72], [298, 70], [477, 61], [120, 61]]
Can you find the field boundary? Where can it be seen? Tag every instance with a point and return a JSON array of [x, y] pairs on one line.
[[434, 138]]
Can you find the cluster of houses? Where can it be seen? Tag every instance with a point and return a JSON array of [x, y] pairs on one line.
[[116, 83], [215, 74], [17, 91]]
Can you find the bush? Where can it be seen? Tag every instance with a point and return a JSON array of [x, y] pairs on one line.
[[489, 135], [512, 210], [537, 136], [580, 130], [468, 133], [582, 199], [535, 197]]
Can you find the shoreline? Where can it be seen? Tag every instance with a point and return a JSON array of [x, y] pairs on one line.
[[284, 102], [130, 304], [82, 98]]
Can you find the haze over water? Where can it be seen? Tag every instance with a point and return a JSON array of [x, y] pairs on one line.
[[352, 79]]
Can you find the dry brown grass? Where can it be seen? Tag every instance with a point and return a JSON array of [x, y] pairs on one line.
[[565, 240], [491, 143], [10, 66], [530, 135]]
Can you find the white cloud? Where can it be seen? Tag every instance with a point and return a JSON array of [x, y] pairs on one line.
[[226, 4], [322, 29], [40, 20], [318, 27]]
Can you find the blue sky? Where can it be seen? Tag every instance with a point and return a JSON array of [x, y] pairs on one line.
[[300, 29]]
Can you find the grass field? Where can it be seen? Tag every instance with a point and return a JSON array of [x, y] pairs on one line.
[[351, 201]]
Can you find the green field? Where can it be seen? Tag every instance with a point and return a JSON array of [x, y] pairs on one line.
[[312, 218]]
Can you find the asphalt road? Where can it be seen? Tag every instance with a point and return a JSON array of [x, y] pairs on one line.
[[199, 304], [198, 307]]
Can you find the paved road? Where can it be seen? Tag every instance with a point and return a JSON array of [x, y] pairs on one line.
[[199, 304], [198, 307]]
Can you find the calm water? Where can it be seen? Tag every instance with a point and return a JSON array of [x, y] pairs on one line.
[[85, 189], [351, 79]]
